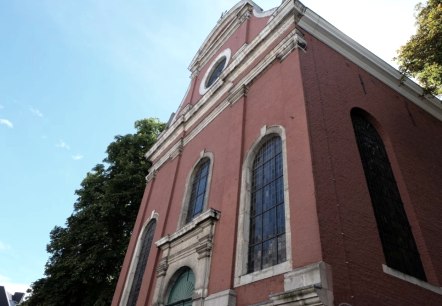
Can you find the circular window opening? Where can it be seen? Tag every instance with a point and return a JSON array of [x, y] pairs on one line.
[[216, 71]]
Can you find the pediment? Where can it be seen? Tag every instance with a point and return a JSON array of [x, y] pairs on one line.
[[228, 23]]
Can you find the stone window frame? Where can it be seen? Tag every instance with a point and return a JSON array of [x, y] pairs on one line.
[[241, 275], [173, 282], [190, 246], [188, 187], [227, 53], [135, 258]]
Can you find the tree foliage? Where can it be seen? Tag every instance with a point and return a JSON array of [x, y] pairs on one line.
[[421, 56], [86, 255]]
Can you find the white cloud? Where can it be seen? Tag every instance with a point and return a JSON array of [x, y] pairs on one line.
[[12, 287], [36, 112], [63, 145], [6, 122], [77, 157], [4, 247]]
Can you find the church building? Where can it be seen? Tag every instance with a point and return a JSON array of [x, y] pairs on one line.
[[299, 169]]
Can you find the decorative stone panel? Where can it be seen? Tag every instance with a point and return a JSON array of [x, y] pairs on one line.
[[190, 246]]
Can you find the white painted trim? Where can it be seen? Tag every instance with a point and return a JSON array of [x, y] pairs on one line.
[[134, 261], [411, 279], [226, 53], [241, 275]]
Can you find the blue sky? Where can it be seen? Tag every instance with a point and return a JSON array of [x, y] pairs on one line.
[[75, 73]]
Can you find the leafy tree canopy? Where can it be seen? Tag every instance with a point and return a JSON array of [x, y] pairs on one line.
[[421, 56], [86, 255]]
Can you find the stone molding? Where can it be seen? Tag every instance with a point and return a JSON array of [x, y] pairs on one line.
[[241, 276], [240, 62], [411, 279], [280, 21], [225, 27], [222, 298], [309, 285], [190, 246]]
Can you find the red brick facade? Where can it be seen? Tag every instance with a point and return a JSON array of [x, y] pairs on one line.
[[293, 75]]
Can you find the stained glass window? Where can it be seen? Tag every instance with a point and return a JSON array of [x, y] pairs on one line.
[[267, 243], [146, 242], [198, 191], [397, 239]]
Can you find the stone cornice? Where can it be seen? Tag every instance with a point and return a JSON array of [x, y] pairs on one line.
[[226, 25], [288, 13], [240, 62], [210, 214]]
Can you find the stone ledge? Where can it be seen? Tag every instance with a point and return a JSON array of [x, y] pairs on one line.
[[411, 279], [222, 298], [207, 215]]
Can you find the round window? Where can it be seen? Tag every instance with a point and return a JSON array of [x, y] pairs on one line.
[[214, 71]]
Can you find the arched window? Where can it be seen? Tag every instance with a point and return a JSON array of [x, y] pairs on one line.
[[267, 241], [398, 243], [198, 189], [146, 242], [181, 292]]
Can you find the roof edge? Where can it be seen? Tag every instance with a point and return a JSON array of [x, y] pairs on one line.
[[324, 31]]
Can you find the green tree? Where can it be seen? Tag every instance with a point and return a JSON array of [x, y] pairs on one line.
[[86, 255], [421, 56]]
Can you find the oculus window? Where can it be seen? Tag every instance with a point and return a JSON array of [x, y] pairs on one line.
[[214, 71], [397, 239]]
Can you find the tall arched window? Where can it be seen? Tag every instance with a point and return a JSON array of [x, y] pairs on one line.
[[198, 189], [146, 242], [181, 292], [398, 243], [267, 241]]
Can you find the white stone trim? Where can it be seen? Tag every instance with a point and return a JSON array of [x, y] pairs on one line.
[[241, 275], [278, 269], [411, 279], [188, 187], [209, 214], [226, 25], [319, 28], [241, 61], [227, 54], [222, 298], [190, 246], [134, 260], [262, 13]]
